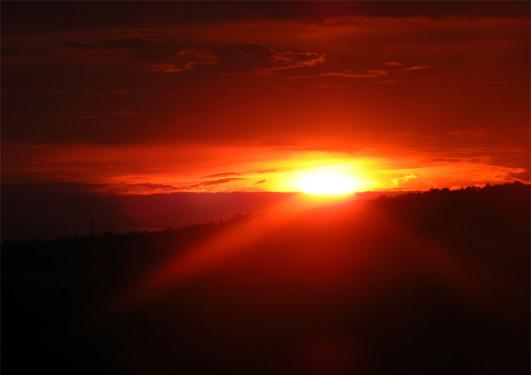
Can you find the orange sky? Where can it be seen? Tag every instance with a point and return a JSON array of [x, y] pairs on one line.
[[143, 98]]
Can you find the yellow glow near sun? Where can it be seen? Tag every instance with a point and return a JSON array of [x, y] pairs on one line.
[[327, 182], [319, 174]]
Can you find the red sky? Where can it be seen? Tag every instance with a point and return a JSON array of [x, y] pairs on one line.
[[158, 97]]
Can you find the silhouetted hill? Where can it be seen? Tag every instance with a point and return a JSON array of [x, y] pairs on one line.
[[422, 283], [49, 210]]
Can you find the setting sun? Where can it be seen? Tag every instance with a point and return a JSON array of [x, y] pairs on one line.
[[265, 187], [327, 183]]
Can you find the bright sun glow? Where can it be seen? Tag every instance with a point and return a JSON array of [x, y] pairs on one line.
[[327, 183]]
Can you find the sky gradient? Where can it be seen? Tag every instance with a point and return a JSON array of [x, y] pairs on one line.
[[137, 98]]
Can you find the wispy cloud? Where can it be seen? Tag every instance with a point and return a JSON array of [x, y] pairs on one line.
[[219, 181], [372, 73], [223, 174], [287, 60], [189, 58], [417, 68], [142, 188], [394, 64], [400, 180]]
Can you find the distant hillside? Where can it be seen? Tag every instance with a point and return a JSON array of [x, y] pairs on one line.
[[422, 283], [47, 211]]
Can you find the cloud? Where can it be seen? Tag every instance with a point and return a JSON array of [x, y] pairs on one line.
[[286, 60], [372, 73], [521, 176], [223, 174], [169, 68], [417, 68], [144, 188], [400, 180], [168, 56], [162, 56], [256, 59], [155, 188], [376, 73], [219, 181], [225, 102], [394, 64], [193, 57]]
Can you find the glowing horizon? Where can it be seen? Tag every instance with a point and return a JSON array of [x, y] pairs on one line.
[[165, 168]]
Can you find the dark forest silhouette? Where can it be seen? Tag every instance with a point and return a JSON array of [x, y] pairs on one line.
[[423, 283]]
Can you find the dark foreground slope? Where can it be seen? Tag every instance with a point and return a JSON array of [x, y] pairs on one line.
[[428, 283]]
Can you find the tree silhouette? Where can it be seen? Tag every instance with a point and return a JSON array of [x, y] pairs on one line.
[[421, 283]]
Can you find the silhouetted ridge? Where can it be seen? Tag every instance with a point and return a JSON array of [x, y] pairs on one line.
[[422, 283]]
